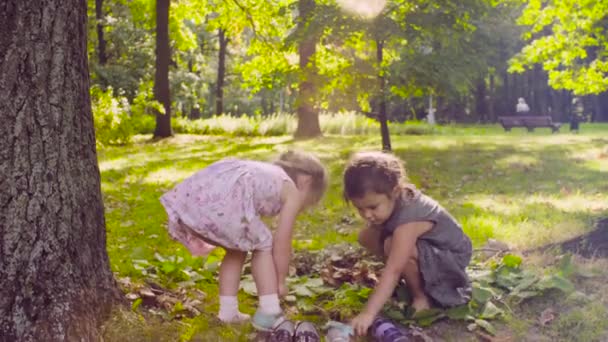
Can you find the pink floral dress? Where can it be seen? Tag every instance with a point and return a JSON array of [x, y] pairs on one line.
[[222, 205]]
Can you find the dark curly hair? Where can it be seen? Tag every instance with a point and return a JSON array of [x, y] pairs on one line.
[[379, 172]]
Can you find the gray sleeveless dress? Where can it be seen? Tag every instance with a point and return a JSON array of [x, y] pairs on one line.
[[444, 252]]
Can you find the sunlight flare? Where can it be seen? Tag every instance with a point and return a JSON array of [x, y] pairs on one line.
[[365, 8]]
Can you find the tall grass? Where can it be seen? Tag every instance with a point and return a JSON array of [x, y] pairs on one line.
[[286, 124]]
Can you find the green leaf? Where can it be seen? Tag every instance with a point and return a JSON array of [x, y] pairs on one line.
[[490, 311], [249, 287], [512, 261], [526, 282], [525, 295], [486, 326], [395, 314], [168, 268], [508, 278], [179, 306], [482, 294], [426, 317], [305, 306], [460, 312], [556, 282], [566, 267], [303, 291], [136, 304], [159, 257], [314, 282]]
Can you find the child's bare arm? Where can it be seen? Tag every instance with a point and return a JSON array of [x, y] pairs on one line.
[[402, 250], [281, 245]]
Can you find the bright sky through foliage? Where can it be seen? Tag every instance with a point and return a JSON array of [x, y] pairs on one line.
[[363, 8]]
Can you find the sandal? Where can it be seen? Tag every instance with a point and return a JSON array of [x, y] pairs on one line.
[[385, 330], [338, 332], [306, 332], [283, 332], [266, 322]]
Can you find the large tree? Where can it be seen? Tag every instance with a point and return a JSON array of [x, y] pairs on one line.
[[570, 40], [308, 113], [55, 278]]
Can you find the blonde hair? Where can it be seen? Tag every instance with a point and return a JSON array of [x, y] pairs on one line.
[[298, 162]]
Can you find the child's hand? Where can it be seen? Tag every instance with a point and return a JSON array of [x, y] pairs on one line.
[[282, 289], [361, 323]]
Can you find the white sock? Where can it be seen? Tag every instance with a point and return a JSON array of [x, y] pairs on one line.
[[269, 304], [229, 310]]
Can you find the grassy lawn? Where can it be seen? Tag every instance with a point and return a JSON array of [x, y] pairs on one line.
[[526, 189]]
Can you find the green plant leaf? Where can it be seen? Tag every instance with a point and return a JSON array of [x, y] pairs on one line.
[[526, 282], [482, 294], [395, 314], [566, 267], [521, 296], [487, 326], [460, 312], [511, 260], [249, 287], [303, 291], [556, 282], [136, 304], [426, 317], [490, 311], [168, 268]]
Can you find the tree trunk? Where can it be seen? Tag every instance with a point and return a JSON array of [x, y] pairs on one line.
[[480, 99], [603, 108], [492, 99], [507, 107], [101, 41], [308, 115], [386, 138], [161, 78], [55, 278], [221, 73]]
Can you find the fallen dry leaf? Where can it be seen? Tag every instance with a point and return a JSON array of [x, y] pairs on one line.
[[132, 296], [547, 316]]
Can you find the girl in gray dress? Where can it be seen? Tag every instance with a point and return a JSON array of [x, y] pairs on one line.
[[418, 238]]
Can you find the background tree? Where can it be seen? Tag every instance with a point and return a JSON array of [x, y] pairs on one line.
[[161, 78], [308, 113], [569, 39], [55, 278]]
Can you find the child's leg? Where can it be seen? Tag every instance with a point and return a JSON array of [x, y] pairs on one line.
[[265, 276], [413, 279], [230, 277]]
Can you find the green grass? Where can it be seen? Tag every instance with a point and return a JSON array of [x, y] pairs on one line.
[[521, 188]]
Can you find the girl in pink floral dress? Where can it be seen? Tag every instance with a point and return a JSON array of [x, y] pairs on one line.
[[222, 205]]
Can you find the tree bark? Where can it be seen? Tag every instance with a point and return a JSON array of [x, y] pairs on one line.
[[55, 278], [492, 99], [221, 72], [603, 108], [507, 107], [101, 41], [386, 138], [480, 99], [308, 114], [161, 77]]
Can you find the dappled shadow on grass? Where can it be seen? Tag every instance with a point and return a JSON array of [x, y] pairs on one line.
[[497, 186], [526, 192]]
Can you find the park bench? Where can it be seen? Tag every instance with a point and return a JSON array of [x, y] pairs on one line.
[[530, 122]]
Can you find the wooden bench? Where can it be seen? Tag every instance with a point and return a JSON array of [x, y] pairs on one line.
[[530, 122]]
